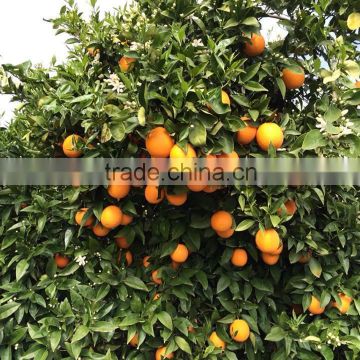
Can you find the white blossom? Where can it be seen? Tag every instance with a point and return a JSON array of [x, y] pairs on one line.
[[96, 60], [197, 43], [81, 260], [116, 83], [135, 46], [321, 124]]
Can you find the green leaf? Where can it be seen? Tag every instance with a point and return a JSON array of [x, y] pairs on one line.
[[130, 319], [80, 333], [165, 319], [251, 21], [69, 233], [183, 344], [223, 283], [315, 267], [197, 134], [245, 224], [21, 269], [8, 309], [281, 86], [55, 337], [276, 334], [135, 283], [118, 131], [103, 326], [254, 86], [313, 139], [263, 285]]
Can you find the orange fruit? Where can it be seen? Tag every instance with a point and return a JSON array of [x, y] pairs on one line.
[[153, 195], [92, 51], [239, 330], [256, 46], [267, 241], [191, 329], [269, 133], [156, 296], [357, 84], [176, 199], [69, 146], [239, 257], [225, 234], [211, 188], [293, 79], [221, 221], [304, 259], [100, 230], [126, 64], [159, 142], [345, 303], [180, 254], [228, 162], [79, 216], [197, 181], [246, 135], [216, 341], [290, 208], [146, 261], [177, 152], [314, 307], [279, 250], [122, 243], [61, 261], [126, 219], [225, 99], [155, 277], [119, 186], [270, 259], [175, 265], [129, 258], [160, 354], [134, 340], [111, 217]]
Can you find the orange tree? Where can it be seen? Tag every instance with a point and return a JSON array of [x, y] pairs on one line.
[[216, 273]]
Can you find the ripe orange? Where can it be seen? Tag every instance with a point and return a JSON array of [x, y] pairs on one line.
[[216, 341], [290, 207], [79, 216], [126, 64], [134, 341], [304, 259], [153, 195], [246, 135], [160, 354], [211, 188], [221, 221], [177, 152], [269, 133], [314, 307], [92, 51], [118, 191], [279, 250], [226, 234], [180, 254], [159, 142], [228, 162], [146, 261], [61, 261], [100, 230], [122, 243], [345, 303], [239, 330], [119, 187], [156, 296], [126, 219], [191, 329], [176, 199], [256, 46], [197, 181], [239, 257], [175, 265], [225, 99], [293, 79], [128, 257], [69, 146], [111, 217], [357, 84], [270, 259], [155, 277], [267, 241]]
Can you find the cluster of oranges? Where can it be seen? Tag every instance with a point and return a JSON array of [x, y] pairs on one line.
[[315, 307]]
